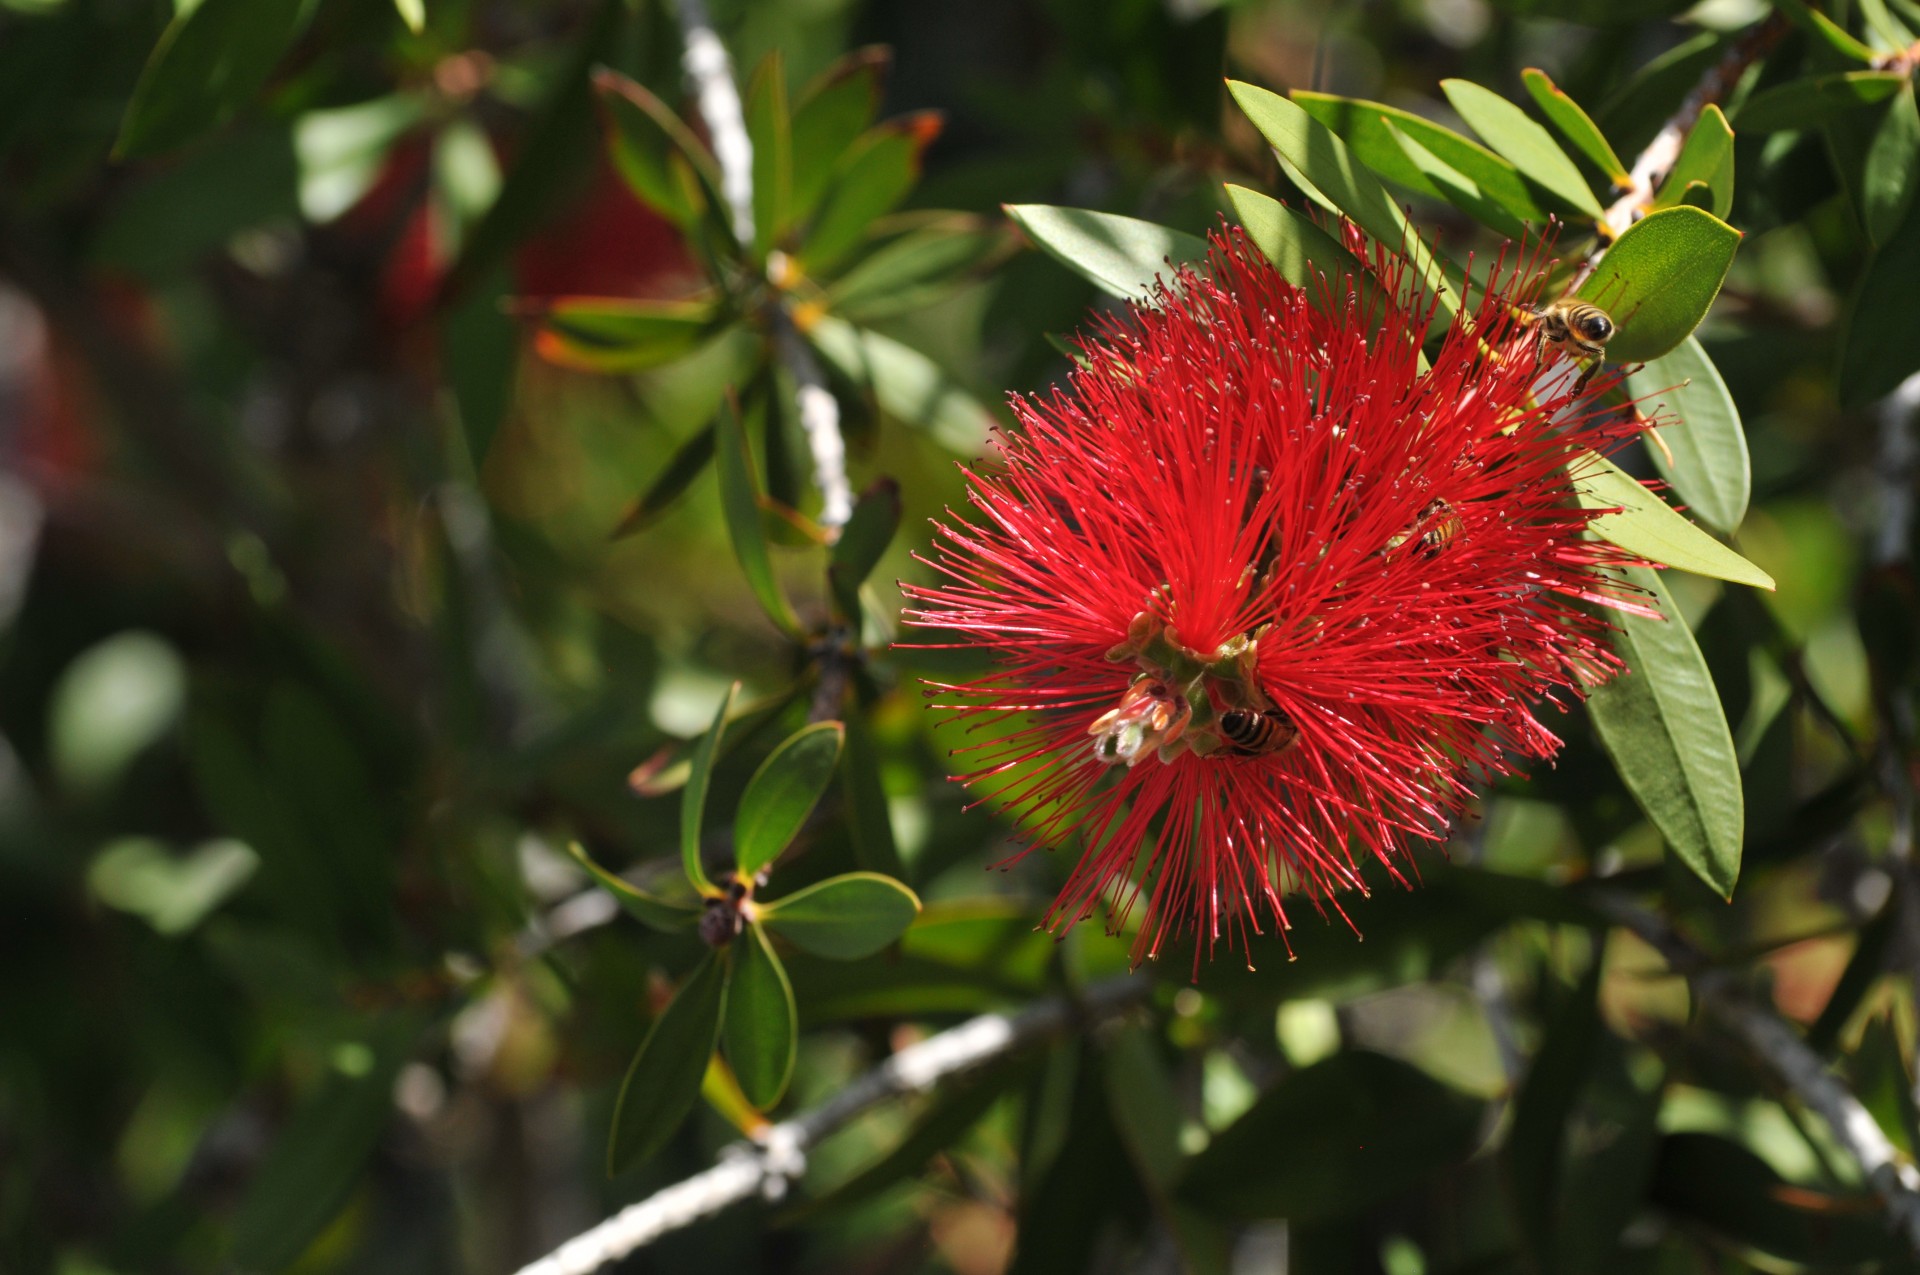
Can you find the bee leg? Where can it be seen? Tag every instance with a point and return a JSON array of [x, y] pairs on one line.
[[1586, 376]]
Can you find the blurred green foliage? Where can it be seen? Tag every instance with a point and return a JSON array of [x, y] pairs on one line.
[[401, 465]]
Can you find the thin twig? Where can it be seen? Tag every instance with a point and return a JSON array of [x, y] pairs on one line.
[[710, 71], [765, 1167]]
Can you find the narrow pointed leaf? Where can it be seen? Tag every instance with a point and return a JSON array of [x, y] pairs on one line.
[[917, 269], [828, 117], [210, 60], [868, 821], [655, 910], [907, 385], [664, 1079], [686, 464], [1816, 101], [1662, 724], [693, 798], [1710, 472], [1363, 126], [1324, 161], [413, 13], [1881, 22], [843, 918], [669, 769], [876, 516], [1459, 190], [1648, 526], [1122, 256], [1301, 251], [1880, 344], [769, 127], [1575, 124], [740, 500], [649, 143], [1706, 158], [608, 334], [782, 793], [1530, 148], [1835, 35], [1892, 167], [762, 1029], [1660, 278], [874, 175]]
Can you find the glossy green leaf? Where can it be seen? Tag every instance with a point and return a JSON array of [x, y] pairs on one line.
[[1662, 724], [762, 1029], [1815, 101], [209, 62], [1324, 161], [876, 516], [843, 918], [914, 270], [1358, 1128], [1660, 278], [740, 500], [687, 463], [907, 385], [664, 1078], [1648, 527], [604, 334], [693, 798], [1706, 158], [310, 1170], [1892, 168], [1710, 471], [413, 13], [664, 163], [874, 175], [1530, 148], [1574, 124], [1304, 254], [782, 793], [1123, 256], [658, 910], [828, 117], [1363, 126], [1457, 187], [1835, 35], [869, 824], [770, 129], [1880, 343]]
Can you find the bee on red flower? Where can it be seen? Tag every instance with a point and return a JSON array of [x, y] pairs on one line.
[[1267, 596]]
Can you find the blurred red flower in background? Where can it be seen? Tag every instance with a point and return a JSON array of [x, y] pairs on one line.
[[1266, 597]]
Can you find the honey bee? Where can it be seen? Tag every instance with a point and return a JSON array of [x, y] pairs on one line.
[[1253, 733], [1576, 328], [1438, 525]]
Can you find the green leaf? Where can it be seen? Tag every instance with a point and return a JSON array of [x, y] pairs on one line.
[[829, 117], [1325, 163], [762, 1029], [782, 793], [1459, 190], [1880, 343], [1816, 101], [1648, 527], [1146, 1110], [908, 386], [1359, 1128], [210, 61], [1706, 158], [1303, 253], [413, 13], [868, 821], [1575, 124], [843, 918], [1363, 125], [1710, 470], [664, 164], [1896, 35], [1662, 724], [311, 1169], [1828, 30], [769, 128], [740, 501], [687, 463], [665, 1076], [914, 270], [1892, 167], [876, 516], [876, 173], [1123, 256], [606, 334], [655, 910], [693, 798], [1659, 279], [1530, 148]]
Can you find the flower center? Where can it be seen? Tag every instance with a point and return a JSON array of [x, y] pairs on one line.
[[1169, 707]]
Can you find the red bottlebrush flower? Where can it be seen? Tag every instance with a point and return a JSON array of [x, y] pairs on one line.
[[1266, 598]]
